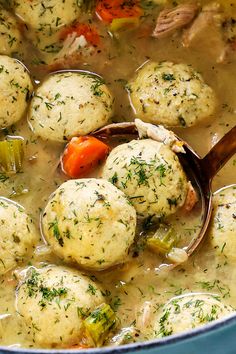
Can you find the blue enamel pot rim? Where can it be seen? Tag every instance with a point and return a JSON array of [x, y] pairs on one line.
[[207, 329]]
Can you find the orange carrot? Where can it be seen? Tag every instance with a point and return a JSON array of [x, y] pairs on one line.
[[82, 29], [109, 10], [82, 154]]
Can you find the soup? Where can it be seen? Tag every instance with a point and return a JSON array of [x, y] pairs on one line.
[[141, 296]]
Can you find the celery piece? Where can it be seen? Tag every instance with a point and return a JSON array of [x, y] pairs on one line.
[[11, 155], [163, 240], [124, 23], [99, 323]]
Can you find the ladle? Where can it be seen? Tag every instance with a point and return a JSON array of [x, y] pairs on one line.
[[204, 169]]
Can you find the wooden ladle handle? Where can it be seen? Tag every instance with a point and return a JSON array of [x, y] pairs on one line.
[[219, 155]]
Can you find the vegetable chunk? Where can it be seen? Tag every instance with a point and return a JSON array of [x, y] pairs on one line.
[[82, 155], [110, 10]]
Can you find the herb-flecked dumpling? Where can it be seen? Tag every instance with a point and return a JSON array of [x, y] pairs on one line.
[[44, 19], [10, 38], [222, 230], [150, 175], [70, 104], [18, 235], [90, 222], [171, 94], [15, 90], [52, 303], [186, 312]]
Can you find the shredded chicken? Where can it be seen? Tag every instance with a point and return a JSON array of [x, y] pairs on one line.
[[177, 256], [209, 22], [126, 335], [220, 41], [169, 20], [144, 315], [191, 199], [73, 50], [207, 16], [161, 134]]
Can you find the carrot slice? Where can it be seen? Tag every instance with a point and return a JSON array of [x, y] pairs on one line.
[[82, 155], [109, 10], [82, 29]]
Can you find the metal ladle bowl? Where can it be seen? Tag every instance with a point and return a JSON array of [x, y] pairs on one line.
[[203, 169]]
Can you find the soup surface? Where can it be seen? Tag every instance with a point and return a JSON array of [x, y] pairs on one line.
[[115, 51]]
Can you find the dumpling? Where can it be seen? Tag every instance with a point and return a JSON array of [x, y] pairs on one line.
[[150, 175], [15, 90], [186, 312], [222, 230], [90, 222], [10, 38], [18, 236], [70, 104], [44, 19], [171, 94], [52, 303]]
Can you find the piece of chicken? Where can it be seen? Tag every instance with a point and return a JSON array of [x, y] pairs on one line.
[[170, 20], [73, 51], [191, 199], [208, 21]]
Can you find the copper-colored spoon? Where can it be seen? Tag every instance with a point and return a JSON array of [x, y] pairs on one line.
[[203, 169]]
